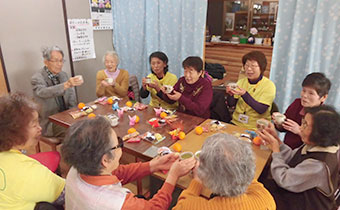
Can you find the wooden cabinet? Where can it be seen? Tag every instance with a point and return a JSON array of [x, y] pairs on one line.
[[229, 17], [230, 56]]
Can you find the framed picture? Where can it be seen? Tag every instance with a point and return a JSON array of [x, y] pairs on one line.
[[273, 7], [229, 21]]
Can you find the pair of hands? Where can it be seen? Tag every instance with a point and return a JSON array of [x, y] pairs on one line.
[[173, 96], [237, 91], [288, 125], [72, 82], [270, 137], [177, 168], [106, 84], [153, 84]]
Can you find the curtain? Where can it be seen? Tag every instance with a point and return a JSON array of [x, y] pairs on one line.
[[307, 40], [141, 27]]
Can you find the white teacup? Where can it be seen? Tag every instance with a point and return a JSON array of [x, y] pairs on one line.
[[168, 88], [186, 155], [262, 124], [279, 118], [109, 80], [197, 154], [147, 80], [232, 85], [80, 78]]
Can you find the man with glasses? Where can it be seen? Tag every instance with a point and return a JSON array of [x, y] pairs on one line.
[[53, 90], [95, 180]]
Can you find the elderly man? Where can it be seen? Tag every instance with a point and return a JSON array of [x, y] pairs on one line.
[[226, 166], [53, 90], [95, 179]]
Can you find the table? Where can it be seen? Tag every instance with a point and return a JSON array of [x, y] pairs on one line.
[[194, 142], [137, 149]]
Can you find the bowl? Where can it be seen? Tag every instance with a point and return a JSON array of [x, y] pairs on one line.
[[109, 80], [232, 85], [262, 124], [168, 88], [279, 118], [197, 154]]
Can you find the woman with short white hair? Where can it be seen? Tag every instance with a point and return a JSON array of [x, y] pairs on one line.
[[112, 81], [226, 166]]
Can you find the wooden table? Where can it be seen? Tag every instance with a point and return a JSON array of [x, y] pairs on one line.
[[137, 149], [194, 142]]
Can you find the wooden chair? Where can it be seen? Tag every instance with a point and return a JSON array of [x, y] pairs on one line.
[[51, 141]]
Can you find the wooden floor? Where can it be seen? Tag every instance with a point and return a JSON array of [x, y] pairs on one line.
[[126, 158]]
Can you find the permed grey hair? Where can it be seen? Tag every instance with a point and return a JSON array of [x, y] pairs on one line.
[[85, 144], [113, 54], [227, 165], [46, 51]]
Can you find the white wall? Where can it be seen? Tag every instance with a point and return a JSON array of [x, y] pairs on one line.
[[28, 25]]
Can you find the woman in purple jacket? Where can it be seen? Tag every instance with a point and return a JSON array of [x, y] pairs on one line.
[[192, 91]]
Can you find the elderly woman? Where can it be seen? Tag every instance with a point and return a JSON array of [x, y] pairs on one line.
[[23, 180], [306, 177], [193, 92], [95, 179], [159, 76], [315, 88], [254, 94], [226, 166], [112, 81]]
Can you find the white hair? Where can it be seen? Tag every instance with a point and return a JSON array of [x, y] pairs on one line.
[[113, 54]]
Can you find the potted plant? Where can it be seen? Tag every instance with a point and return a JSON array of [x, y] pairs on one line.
[[255, 37]]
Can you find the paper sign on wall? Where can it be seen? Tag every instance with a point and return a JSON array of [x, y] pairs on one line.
[[81, 38], [101, 14]]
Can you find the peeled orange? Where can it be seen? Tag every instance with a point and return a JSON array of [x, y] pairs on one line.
[[131, 130], [181, 135], [110, 101], [163, 115], [257, 140], [177, 147], [199, 130], [128, 103], [81, 105], [91, 115]]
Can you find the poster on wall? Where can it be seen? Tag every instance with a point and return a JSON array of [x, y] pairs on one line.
[[101, 14], [81, 38]]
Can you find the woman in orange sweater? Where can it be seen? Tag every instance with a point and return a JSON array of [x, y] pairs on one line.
[[226, 166], [112, 81]]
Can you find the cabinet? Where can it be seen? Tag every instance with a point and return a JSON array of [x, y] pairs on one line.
[[239, 16]]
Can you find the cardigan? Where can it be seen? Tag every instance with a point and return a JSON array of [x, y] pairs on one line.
[[256, 197], [120, 88]]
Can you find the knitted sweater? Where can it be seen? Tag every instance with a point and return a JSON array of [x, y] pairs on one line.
[[256, 197], [120, 88]]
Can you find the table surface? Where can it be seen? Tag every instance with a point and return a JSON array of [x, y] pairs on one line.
[[137, 149], [194, 142]]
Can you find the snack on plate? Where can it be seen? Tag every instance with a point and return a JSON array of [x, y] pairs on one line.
[[131, 135], [87, 109], [140, 106], [128, 109], [113, 119], [76, 114], [152, 137], [216, 125], [163, 151], [134, 139]]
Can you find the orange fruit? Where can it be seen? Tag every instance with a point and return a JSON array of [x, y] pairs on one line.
[[128, 103], [91, 115], [81, 105], [199, 130], [257, 141], [110, 101], [163, 115], [131, 130], [177, 147], [137, 119], [181, 135]]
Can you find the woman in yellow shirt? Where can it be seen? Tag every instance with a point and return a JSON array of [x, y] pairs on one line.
[[23, 180], [112, 81], [159, 76]]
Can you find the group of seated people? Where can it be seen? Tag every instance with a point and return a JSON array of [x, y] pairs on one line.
[[303, 172]]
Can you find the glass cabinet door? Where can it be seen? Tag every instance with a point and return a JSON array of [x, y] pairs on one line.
[[236, 17], [264, 15]]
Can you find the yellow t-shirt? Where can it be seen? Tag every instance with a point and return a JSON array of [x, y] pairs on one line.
[[24, 181], [168, 79], [263, 92]]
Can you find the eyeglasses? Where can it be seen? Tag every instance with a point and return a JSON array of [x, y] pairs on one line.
[[120, 144], [253, 66], [57, 61]]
